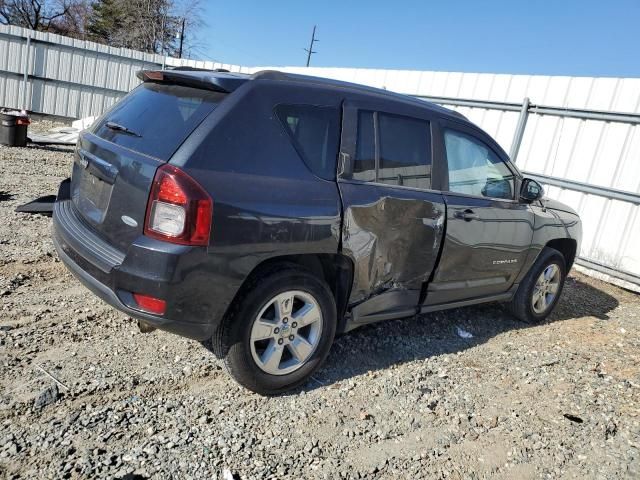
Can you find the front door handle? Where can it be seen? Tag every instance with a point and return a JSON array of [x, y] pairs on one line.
[[467, 215]]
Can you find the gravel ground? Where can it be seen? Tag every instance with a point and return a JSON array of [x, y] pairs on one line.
[[401, 399]]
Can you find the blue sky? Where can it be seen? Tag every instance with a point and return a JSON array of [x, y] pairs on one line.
[[562, 37]]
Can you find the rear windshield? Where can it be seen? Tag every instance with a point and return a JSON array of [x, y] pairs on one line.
[[154, 119]]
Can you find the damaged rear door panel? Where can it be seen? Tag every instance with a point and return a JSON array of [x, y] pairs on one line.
[[393, 222]]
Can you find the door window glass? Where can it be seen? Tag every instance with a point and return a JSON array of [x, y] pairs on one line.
[[404, 151], [474, 169], [364, 165]]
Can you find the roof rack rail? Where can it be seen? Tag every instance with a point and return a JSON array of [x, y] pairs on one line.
[[271, 75], [186, 68]]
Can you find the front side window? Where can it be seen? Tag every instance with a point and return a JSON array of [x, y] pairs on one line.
[[474, 169], [315, 133], [393, 149]]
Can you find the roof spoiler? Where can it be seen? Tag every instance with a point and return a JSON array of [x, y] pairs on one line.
[[223, 82]]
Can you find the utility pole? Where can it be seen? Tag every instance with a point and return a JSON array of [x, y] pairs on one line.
[[162, 52], [181, 38], [310, 49], [164, 19]]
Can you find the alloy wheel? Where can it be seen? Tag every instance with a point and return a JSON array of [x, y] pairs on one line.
[[546, 289], [286, 332]]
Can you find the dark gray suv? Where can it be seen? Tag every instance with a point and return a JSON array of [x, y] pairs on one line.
[[264, 214]]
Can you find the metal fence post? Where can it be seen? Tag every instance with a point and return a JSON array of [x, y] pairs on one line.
[[519, 133], [25, 78]]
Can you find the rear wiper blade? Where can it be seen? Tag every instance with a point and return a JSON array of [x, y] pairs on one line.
[[121, 128]]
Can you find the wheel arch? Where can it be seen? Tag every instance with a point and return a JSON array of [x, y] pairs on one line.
[[335, 270], [567, 247]]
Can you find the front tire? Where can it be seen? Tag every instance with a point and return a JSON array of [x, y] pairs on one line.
[[279, 330], [540, 289]]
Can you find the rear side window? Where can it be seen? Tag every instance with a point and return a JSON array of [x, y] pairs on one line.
[[405, 146], [314, 132], [364, 165], [158, 118], [393, 149]]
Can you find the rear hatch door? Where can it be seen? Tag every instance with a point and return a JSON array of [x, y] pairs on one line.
[[116, 160]]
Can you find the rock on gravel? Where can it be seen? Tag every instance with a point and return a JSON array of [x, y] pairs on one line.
[[401, 399], [46, 397]]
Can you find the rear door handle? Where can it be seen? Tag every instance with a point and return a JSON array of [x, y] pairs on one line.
[[467, 215]]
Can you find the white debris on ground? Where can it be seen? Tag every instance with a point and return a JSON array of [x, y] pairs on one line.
[[463, 333], [63, 135]]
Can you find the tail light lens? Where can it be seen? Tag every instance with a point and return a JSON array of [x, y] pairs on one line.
[[179, 210], [150, 304]]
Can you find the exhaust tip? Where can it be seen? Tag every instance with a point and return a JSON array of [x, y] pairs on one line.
[[145, 327]]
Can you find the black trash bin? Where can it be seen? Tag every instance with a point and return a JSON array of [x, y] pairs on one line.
[[13, 129]]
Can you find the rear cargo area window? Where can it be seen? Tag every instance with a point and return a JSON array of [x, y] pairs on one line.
[[154, 119], [314, 132]]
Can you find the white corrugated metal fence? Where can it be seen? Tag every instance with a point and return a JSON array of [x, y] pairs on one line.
[[74, 78], [69, 77]]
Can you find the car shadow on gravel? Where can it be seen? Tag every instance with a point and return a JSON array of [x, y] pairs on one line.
[[53, 148], [579, 299], [382, 345]]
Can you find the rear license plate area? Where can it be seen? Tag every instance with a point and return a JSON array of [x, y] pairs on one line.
[[91, 195]]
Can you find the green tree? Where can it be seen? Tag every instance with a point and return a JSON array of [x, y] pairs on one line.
[[105, 20], [146, 25]]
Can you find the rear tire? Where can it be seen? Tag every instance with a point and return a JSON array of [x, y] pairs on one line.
[[541, 288], [266, 342]]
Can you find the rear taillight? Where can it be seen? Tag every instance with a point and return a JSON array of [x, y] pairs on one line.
[[150, 304], [179, 210]]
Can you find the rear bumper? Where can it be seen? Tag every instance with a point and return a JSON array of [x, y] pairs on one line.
[[197, 331], [196, 298]]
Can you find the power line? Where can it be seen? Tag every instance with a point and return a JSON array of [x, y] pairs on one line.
[[310, 50]]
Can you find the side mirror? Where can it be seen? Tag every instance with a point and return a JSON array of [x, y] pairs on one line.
[[530, 191], [497, 188]]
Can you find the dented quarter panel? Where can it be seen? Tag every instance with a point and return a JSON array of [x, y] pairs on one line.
[[393, 236]]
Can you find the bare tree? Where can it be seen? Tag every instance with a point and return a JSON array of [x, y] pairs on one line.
[[74, 23], [149, 25], [157, 26], [192, 11], [138, 24], [34, 14]]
